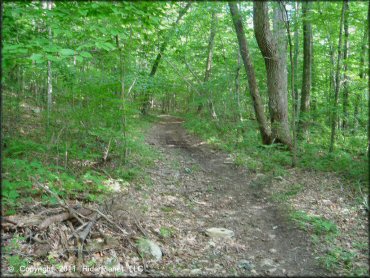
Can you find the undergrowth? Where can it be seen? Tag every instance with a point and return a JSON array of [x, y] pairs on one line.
[[73, 161], [242, 140]]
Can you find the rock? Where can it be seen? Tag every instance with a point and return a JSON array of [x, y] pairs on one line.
[[271, 270], [149, 247], [272, 251], [219, 233], [267, 262], [254, 272], [326, 202], [246, 265], [272, 236], [279, 178], [195, 271], [115, 185]]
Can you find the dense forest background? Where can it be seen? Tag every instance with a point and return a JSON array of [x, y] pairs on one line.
[[276, 85]]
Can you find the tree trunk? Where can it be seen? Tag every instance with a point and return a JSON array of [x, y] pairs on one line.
[[307, 69], [292, 83], [237, 88], [345, 62], [273, 50], [146, 101], [362, 76], [337, 81], [208, 69], [50, 79], [252, 82], [295, 63]]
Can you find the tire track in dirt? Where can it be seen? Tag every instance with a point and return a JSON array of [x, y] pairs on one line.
[[272, 243]]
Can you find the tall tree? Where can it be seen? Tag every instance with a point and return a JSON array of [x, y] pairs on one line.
[[292, 84], [252, 82], [48, 5], [237, 88], [345, 68], [295, 59], [361, 75], [157, 60], [337, 80], [208, 69], [275, 62], [307, 68]]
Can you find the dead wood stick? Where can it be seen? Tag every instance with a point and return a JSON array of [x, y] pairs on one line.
[[9, 221], [88, 227], [55, 218], [110, 221], [107, 151], [141, 229], [74, 213]]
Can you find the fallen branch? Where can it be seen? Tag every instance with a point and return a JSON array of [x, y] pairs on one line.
[[55, 218]]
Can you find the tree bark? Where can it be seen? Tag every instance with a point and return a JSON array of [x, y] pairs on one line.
[[362, 72], [157, 60], [208, 69], [237, 88], [295, 64], [50, 79], [252, 82], [337, 81], [292, 83], [307, 69], [272, 49], [345, 62]]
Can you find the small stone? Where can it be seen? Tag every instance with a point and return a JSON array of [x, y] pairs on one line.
[[147, 246], [253, 271], [271, 236], [219, 233], [272, 251], [279, 178], [326, 202], [272, 270], [195, 271], [246, 265], [267, 262]]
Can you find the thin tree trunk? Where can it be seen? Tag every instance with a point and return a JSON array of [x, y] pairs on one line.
[[209, 63], [244, 52], [272, 49], [337, 81], [237, 87], [292, 83], [50, 79], [157, 60], [208, 69], [307, 69], [362, 76], [296, 54], [345, 62]]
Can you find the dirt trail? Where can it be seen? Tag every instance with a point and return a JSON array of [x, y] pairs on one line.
[[200, 189]]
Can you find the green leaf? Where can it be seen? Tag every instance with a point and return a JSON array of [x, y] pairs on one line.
[[36, 57], [79, 58], [52, 58], [52, 49], [67, 52], [85, 54]]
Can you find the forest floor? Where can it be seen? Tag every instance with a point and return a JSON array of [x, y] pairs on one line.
[[281, 226], [199, 188]]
